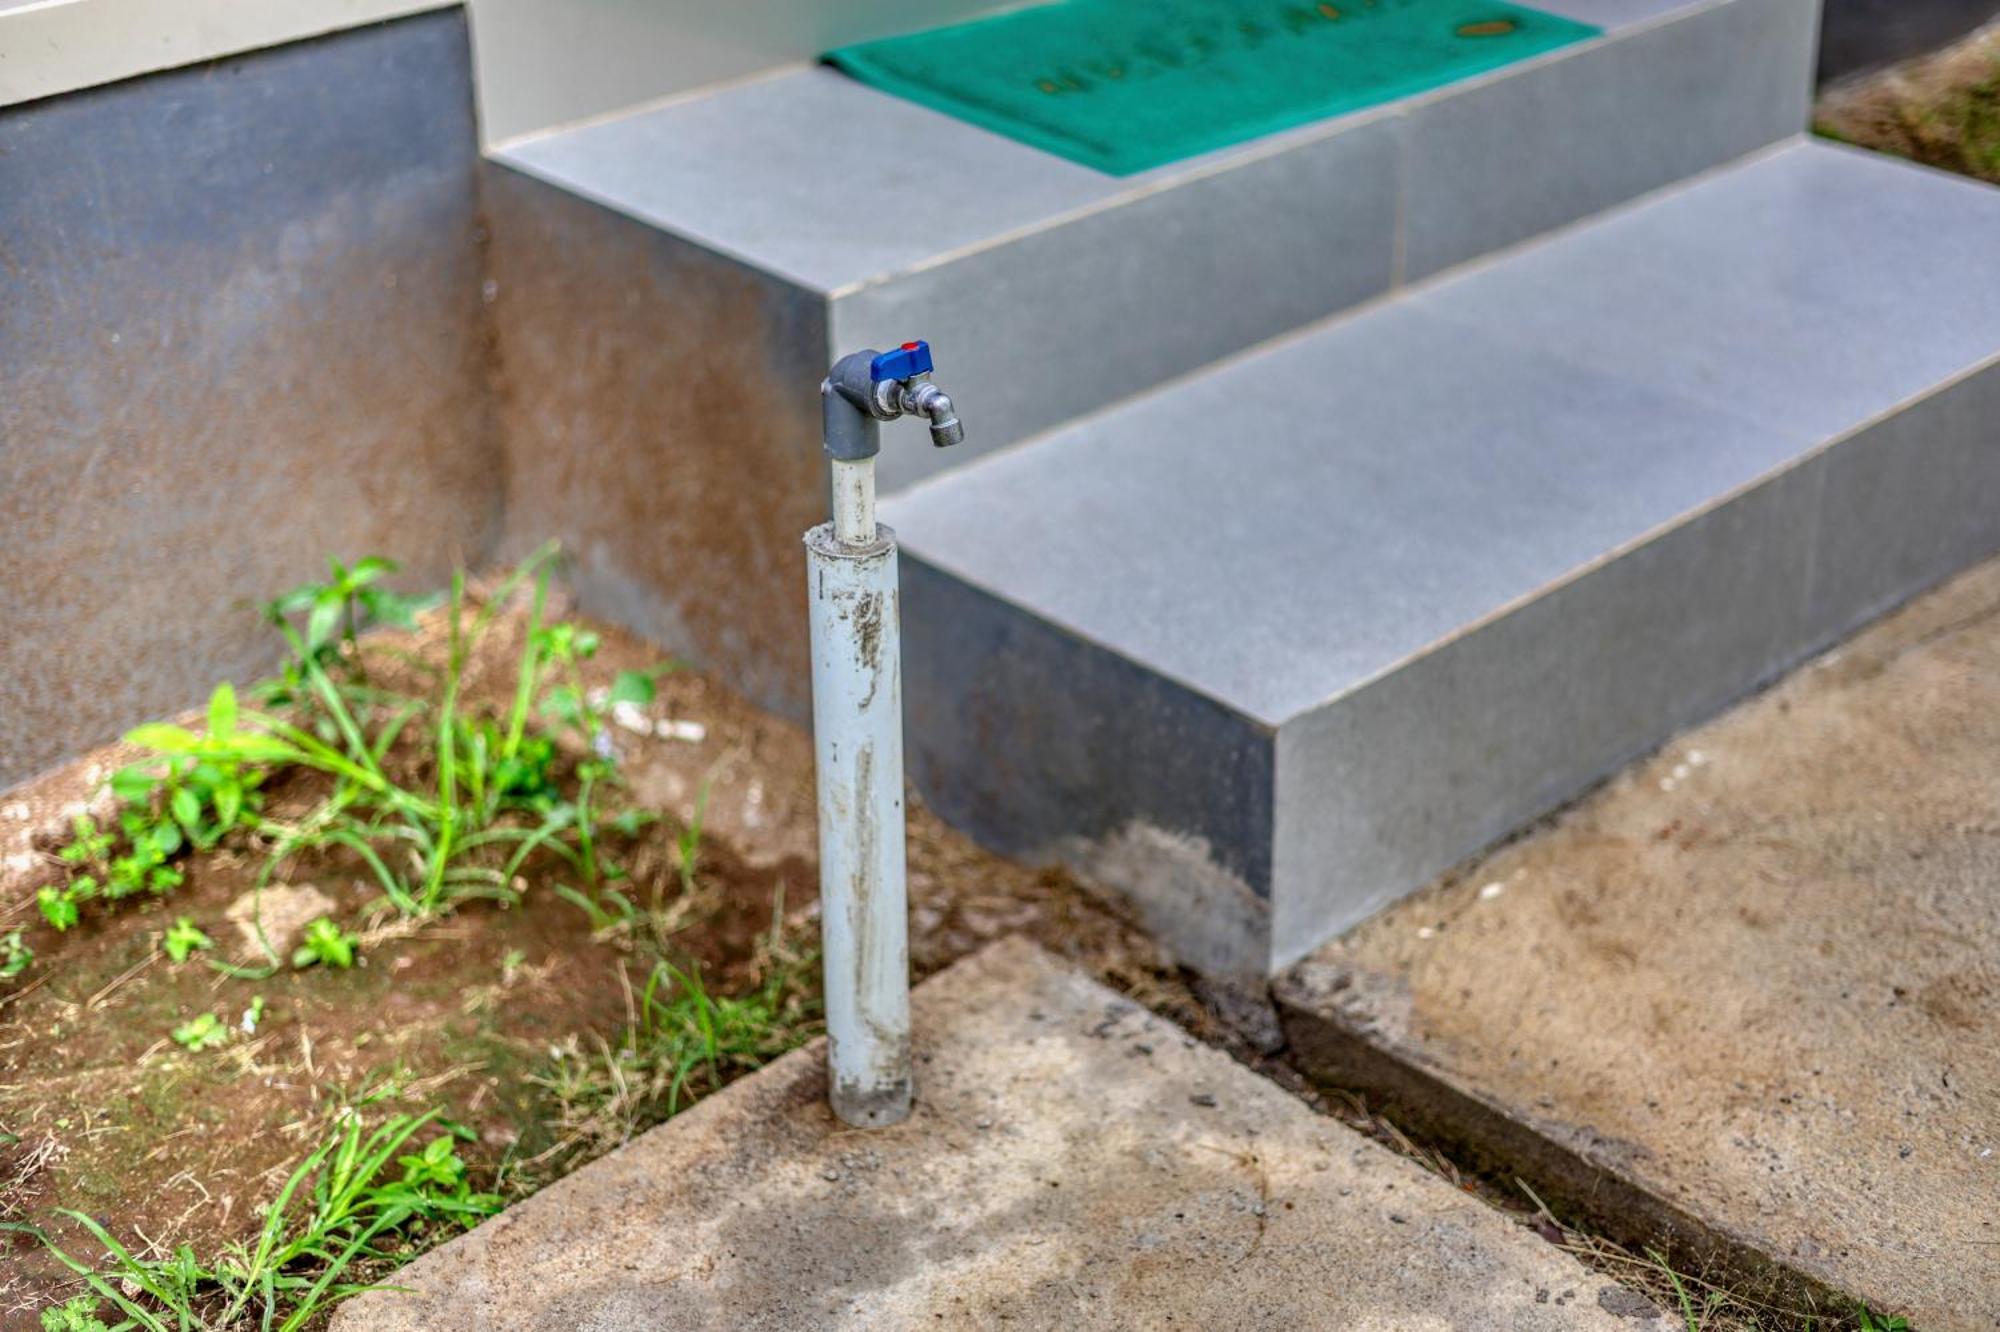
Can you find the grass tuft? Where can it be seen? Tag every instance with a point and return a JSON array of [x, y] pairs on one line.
[[360, 1203], [682, 1043]]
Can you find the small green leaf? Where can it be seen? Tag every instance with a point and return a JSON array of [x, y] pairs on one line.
[[182, 938], [162, 737], [127, 876], [158, 842], [133, 785], [325, 942], [58, 907], [76, 1315], [633, 687], [250, 747], [186, 808], [222, 711], [203, 1032], [228, 803], [14, 959], [294, 601], [325, 615]]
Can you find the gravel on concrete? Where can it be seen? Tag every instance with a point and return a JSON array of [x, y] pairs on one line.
[[1746, 997], [1074, 1162]]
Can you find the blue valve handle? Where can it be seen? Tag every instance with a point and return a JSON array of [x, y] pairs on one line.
[[907, 361]]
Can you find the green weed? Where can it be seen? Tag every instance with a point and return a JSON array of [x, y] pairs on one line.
[[684, 1043], [1695, 1317], [608, 909], [59, 905], [356, 1206], [183, 938], [440, 802], [325, 943], [336, 609], [76, 1315], [204, 1031], [15, 956]]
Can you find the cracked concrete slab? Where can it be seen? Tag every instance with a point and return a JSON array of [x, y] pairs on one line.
[[1074, 1162], [1745, 998]]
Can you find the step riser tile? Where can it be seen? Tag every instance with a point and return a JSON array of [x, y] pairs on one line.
[[1080, 314], [1602, 124], [1382, 790], [1048, 748], [1908, 502]]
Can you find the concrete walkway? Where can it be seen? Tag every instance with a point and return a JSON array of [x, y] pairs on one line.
[[1748, 994], [1074, 1162]]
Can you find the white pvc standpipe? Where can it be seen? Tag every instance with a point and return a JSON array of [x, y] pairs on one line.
[[858, 738], [854, 501]]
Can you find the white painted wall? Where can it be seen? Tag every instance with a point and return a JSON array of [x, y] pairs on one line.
[[58, 46], [545, 63]]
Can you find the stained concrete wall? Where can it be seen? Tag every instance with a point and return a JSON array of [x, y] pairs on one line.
[[241, 328]]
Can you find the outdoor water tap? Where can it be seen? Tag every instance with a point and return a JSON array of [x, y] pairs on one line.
[[868, 387], [856, 635], [861, 391]]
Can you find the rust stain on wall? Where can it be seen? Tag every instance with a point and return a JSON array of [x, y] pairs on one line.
[[240, 330]]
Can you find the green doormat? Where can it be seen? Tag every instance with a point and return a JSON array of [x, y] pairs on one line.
[[1122, 85]]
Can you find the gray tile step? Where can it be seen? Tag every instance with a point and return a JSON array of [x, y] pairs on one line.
[[670, 284], [1270, 647], [1050, 289]]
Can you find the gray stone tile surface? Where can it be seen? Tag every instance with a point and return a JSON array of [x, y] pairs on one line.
[[1062, 320], [1809, 292], [1939, 459], [1397, 782], [1283, 528], [1280, 530], [813, 176], [1466, 552]]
